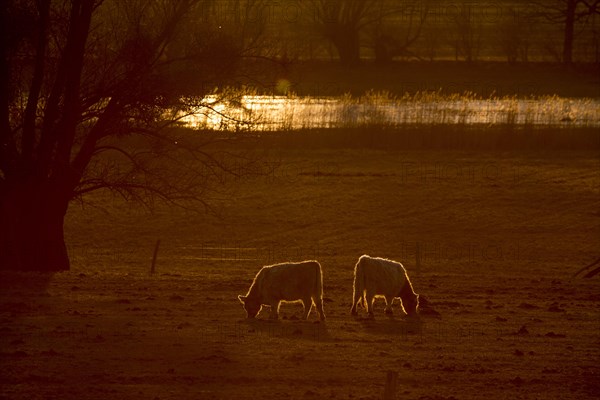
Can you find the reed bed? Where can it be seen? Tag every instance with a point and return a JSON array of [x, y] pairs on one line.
[[240, 110]]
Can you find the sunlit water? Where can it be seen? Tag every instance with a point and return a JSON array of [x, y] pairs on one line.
[[270, 113]]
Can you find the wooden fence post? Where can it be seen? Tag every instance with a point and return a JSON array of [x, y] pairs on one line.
[[391, 383], [153, 266]]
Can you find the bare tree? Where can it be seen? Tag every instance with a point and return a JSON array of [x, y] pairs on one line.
[[90, 92], [468, 33], [512, 32], [340, 22], [394, 34], [343, 22], [432, 39], [569, 13]]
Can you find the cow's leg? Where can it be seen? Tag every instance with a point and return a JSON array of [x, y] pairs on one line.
[[274, 310], [307, 303], [369, 300], [388, 305], [319, 305], [356, 297], [353, 309]]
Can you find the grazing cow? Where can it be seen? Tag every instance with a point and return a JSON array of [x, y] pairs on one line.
[[301, 281], [374, 276]]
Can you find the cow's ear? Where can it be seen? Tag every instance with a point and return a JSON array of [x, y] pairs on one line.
[[242, 299]]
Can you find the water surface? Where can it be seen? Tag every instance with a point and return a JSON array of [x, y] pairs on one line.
[[270, 113]]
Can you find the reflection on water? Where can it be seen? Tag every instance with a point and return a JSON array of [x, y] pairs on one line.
[[269, 113]]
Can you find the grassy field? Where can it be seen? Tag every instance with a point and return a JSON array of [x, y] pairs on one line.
[[500, 231]]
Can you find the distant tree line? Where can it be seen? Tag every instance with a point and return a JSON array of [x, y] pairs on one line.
[[354, 30]]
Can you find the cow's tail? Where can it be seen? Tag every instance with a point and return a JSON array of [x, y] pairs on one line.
[[359, 284]]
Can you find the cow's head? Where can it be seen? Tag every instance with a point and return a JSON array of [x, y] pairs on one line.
[[251, 306], [411, 305], [410, 300]]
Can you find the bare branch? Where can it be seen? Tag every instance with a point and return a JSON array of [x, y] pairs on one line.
[[28, 137], [8, 151]]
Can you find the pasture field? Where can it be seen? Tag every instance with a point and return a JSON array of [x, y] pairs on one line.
[[500, 233]]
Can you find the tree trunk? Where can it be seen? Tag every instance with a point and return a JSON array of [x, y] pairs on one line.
[[31, 227], [347, 43], [569, 29], [384, 50]]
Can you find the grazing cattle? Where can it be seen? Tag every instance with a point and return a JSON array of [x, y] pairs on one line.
[[301, 281], [375, 276]]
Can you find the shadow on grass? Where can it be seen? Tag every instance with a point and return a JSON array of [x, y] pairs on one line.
[[395, 325], [20, 296], [280, 329], [20, 284]]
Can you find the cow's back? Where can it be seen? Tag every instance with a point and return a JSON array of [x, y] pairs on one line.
[[382, 276], [292, 281]]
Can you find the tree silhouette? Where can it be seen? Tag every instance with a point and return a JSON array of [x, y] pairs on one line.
[[513, 34], [394, 34], [90, 92], [568, 13], [468, 31], [342, 22]]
